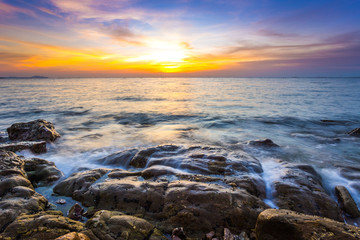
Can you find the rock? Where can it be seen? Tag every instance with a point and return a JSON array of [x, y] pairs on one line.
[[41, 172], [76, 212], [210, 235], [141, 158], [116, 225], [355, 132], [33, 131], [78, 182], [300, 189], [3, 137], [119, 159], [347, 202], [61, 201], [43, 225], [178, 233], [285, 225], [73, 236], [201, 188], [263, 143], [35, 147], [17, 195]]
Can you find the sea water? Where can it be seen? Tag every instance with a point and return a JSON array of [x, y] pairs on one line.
[[99, 116]]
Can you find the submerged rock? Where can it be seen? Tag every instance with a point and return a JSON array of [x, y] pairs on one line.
[[35, 147], [355, 132], [263, 143], [33, 131], [141, 158], [285, 225], [116, 225], [41, 172], [43, 225], [17, 194], [347, 202], [300, 189]]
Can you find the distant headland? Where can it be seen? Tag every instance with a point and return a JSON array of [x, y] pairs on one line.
[[23, 77]]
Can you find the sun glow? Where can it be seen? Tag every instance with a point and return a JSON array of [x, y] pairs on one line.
[[163, 56]]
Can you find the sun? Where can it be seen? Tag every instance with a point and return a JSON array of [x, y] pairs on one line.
[[163, 56]]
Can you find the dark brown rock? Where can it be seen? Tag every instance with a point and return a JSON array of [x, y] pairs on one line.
[[116, 225], [76, 212], [79, 182], [17, 195], [33, 131], [263, 143], [347, 202], [284, 225], [41, 172], [201, 188], [141, 158], [43, 225], [300, 189], [35, 147], [355, 132], [119, 159], [178, 233]]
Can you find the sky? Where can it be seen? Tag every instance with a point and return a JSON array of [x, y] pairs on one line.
[[190, 38]]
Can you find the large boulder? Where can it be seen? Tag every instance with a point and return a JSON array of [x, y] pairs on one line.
[[35, 147], [79, 182], [200, 207], [33, 131], [300, 189], [106, 225], [273, 224], [17, 194], [41, 172], [347, 202], [43, 225]]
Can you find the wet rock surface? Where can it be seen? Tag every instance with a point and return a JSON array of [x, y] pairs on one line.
[[79, 182], [17, 194], [116, 225], [228, 195], [41, 172], [263, 143], [33, 131], [285, 224], [300, 189], [355, 132], [347, 202], [35, 147], [43, 225]]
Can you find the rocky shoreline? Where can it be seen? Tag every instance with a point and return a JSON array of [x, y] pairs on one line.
[[167, 192]]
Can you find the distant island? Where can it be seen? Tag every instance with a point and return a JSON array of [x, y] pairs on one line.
[[23, 77]]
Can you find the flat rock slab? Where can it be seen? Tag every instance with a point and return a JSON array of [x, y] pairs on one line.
[[35, 147], [274, 224]]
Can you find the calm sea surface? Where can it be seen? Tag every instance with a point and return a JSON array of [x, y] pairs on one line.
[[97, 117]]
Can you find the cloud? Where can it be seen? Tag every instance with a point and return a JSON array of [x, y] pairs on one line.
[[9, 10], [271, 33]]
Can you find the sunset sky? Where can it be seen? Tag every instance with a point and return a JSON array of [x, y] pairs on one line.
[[233, 38]]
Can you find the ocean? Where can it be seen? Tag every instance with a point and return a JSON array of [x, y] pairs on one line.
[[309, 118]]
